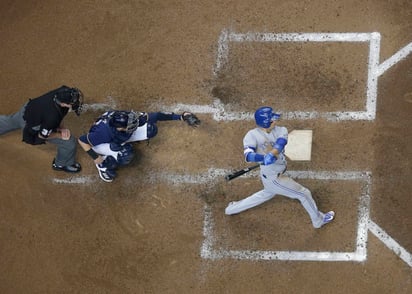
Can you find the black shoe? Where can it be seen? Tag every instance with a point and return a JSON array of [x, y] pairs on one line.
[[74, 168]]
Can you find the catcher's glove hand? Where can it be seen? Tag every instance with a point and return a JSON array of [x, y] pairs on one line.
[[191, 119]]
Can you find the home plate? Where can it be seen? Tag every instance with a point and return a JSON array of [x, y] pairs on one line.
[[299, 146]]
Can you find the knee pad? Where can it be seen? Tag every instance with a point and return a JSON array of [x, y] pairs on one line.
[[151, 130], [125, 155]]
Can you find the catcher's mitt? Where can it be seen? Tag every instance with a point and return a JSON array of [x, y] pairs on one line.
[[191, 119]]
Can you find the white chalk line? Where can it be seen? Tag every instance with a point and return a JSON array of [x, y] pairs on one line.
[[299, 37], [75, 180], [101, 106], [283, 255], [174, 179], [394, 59], [96, 107], [207, 245], [214, 174], [358, 255], [222, 51], [217, 109], [390, 243], [372, 82]]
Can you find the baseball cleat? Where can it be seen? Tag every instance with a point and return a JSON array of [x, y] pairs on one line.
[[106, 174], [229, 208], [328, 217]]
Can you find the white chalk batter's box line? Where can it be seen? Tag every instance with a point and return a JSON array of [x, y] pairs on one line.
[[209, 252], [374, 71], [364, 224]]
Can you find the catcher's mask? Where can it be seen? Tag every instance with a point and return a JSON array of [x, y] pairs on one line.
[[72, 96], [127, 120]]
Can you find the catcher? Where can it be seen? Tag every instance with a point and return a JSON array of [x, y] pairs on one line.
[[108, 141]]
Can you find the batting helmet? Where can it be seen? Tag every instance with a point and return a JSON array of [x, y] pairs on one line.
[[125, 119], [264, 116]]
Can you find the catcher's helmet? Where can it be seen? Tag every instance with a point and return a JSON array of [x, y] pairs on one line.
[[128, 120], [264, 116], [72, 96]]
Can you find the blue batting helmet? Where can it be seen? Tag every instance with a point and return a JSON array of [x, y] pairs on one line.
[[264, 116]]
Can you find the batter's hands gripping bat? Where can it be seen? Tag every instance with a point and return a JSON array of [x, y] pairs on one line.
[[240, 172]]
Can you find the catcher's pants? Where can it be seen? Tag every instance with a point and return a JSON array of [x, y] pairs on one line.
[[66, 149], [282, 185]]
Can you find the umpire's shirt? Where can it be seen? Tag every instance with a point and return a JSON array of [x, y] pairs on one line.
[[43, 116]]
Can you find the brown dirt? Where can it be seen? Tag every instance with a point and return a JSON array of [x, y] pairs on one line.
[[142, 235]]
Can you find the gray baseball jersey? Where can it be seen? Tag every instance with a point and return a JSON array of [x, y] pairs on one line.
[[274, 181]]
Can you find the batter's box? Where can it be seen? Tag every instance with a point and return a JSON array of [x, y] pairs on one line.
[[215, 246], [272, 70]]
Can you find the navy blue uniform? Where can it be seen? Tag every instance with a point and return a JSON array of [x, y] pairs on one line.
[[110, 138], [103, 132]]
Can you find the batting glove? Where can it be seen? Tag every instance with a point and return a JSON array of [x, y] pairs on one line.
[[269, 159]]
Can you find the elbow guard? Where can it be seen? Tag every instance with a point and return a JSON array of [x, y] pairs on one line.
[[280, 144]]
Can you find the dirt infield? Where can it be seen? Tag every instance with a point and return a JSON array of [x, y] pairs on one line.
[[160, 227]]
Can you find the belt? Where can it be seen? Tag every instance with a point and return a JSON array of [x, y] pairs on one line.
[[279, 174]]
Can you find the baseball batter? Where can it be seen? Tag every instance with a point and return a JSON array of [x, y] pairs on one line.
[[265, 144]]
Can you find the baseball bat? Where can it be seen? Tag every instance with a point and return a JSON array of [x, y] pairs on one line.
[[238, 173]]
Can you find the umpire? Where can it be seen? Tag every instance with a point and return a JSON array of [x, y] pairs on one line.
[[41, 121]]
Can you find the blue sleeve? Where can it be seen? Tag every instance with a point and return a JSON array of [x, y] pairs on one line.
[[160, 116], [254, 157], [83, 138], [97, 135], [250, 154], [280, 144]]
